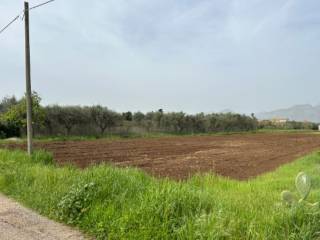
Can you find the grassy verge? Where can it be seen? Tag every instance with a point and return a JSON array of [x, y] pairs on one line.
[[158, 135], [111, 203]]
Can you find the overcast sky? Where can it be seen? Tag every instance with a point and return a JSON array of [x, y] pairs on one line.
[[190, 55]]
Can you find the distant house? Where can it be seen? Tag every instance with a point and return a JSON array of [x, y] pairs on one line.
[[279, 120]]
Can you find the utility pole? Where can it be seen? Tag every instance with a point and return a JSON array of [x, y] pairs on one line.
[[28, 67], [28, 78]]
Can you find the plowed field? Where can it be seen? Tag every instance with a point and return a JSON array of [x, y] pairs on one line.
[[239, 156]]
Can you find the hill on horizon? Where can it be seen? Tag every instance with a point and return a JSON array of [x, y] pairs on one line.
[[304, 112]]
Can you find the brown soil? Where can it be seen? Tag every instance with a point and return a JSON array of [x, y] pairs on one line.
[[236, 156]]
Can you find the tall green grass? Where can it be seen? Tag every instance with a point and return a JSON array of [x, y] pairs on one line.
[[111, 203]]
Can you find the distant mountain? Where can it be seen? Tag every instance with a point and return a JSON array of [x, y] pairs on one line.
[[227, 110], [297, 113]]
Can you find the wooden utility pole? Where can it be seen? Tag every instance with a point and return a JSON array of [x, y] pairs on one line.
[[28, 78]]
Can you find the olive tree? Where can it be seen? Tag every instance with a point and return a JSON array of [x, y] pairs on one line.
[[69, 116], [104, 118]]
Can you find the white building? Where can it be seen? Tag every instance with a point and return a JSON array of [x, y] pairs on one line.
[[280, 120]]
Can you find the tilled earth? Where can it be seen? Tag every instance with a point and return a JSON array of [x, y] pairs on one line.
[[238, 156]]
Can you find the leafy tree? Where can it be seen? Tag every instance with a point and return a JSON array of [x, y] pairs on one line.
[[16, 115], [138, 117], [70, 116], [174, 121], [104, 118], [86, 120], [51, 119], [7, 103], [127, 116]]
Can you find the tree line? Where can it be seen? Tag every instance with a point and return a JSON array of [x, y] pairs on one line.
[[288, 125], [55, 120]]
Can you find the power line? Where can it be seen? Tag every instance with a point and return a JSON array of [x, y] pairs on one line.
[[17, 17], [8, 25], [41, 4]]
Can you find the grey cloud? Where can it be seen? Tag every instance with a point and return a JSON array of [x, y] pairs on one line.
[[192, 55]]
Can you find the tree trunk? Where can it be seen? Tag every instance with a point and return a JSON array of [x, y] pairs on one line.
[[68, 130], [102, 130]]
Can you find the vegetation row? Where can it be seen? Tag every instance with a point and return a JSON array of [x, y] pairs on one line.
[[98, 121]]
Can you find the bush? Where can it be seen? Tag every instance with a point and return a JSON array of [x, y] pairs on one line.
[[9, 130], [76, 202], [2, 135]]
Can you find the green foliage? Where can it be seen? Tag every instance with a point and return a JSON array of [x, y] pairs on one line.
[[16, 115], [10, 130], [293, 125], [70, 116], [3, 135], [138, 117], [128, 204], [6, 103], [127, 116], [100, 120], [3, 131], [76, 202], [97, 120]]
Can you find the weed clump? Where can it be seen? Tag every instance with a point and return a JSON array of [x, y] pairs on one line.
[[76, 202]]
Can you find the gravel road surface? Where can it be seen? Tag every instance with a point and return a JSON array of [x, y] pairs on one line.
[[19, 223]]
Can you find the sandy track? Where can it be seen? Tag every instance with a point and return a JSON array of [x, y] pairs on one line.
[[19, 223]]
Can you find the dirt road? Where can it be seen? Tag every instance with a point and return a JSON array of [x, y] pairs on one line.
[[19, 223]]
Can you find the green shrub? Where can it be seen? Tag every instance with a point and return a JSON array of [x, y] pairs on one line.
[[76, 202], [2, 135]]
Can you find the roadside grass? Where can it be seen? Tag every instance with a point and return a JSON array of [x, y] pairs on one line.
[[111, 203]]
